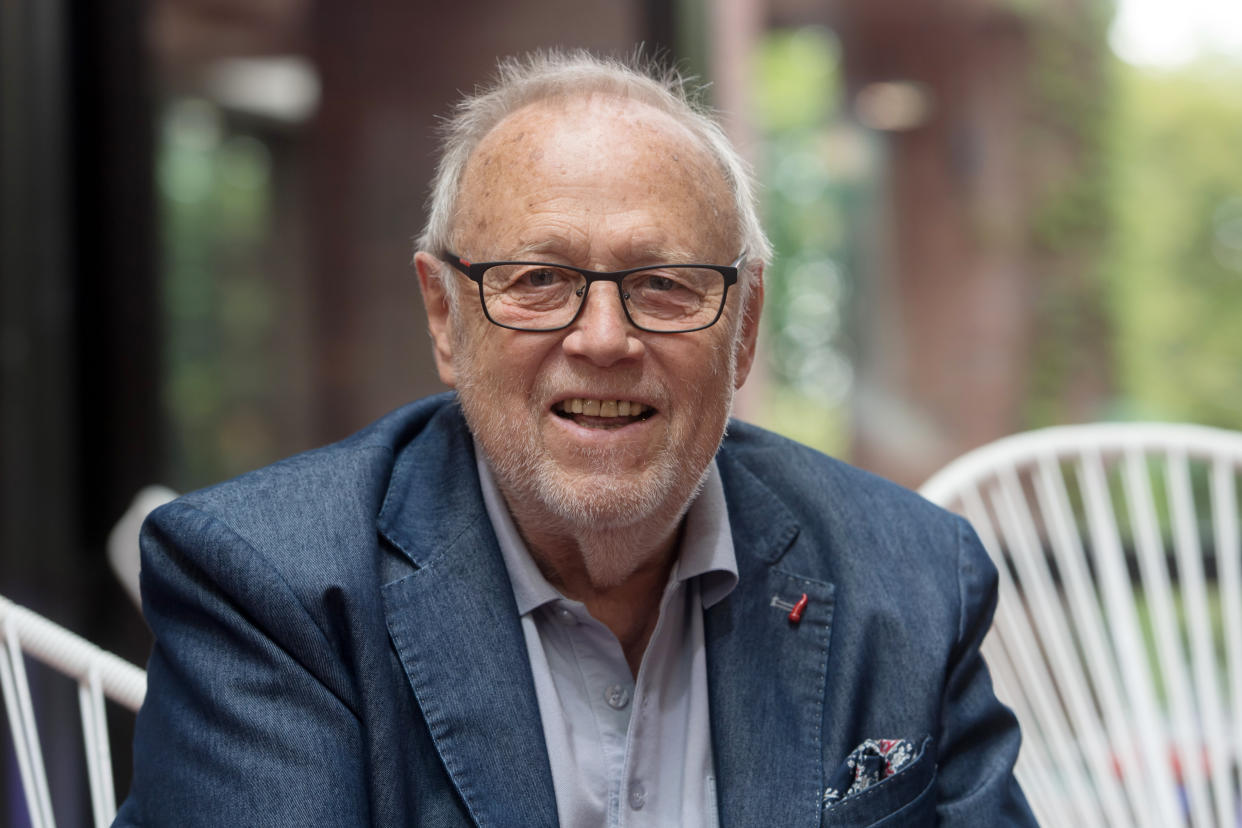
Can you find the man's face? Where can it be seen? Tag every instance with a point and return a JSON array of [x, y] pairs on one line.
[[603, 184]]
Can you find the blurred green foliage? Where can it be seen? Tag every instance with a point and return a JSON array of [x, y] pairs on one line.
[[1071, 110], [816, 171], [796, 75], [1176, 275], [219, 304]]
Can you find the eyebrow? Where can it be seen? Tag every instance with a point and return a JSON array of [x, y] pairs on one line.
[[548, 247]]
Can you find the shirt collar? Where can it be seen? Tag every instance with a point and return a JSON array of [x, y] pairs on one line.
[[706, 544]]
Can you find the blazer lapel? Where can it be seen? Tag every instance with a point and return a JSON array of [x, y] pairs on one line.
[[766, 671], [456, 630]]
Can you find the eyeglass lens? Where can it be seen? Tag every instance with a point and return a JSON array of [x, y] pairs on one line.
[[669, 298]]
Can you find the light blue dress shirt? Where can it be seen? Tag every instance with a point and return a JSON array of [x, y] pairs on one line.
[[626, 752]]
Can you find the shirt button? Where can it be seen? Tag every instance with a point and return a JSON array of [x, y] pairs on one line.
[[566, 616], [638, 796], [617, 696]]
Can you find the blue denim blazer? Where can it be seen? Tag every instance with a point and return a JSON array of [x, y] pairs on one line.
[[336, 643]]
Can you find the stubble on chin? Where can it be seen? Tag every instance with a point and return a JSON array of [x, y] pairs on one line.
[[585, 490]]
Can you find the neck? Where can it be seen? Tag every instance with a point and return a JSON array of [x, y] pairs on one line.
[[618, 574]]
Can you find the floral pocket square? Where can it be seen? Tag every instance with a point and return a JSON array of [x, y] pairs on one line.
[[868, 764]]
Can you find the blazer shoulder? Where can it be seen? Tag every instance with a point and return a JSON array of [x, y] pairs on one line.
[[319, 474], [853, 527], [327, 497], [811, 482]]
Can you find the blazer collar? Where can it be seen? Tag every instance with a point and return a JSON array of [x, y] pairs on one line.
[[455, 626], [433, 494]]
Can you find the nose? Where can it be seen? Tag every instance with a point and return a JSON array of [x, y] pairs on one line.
[[602, 333]]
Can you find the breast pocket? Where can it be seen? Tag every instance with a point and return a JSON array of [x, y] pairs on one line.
[[907, 798]]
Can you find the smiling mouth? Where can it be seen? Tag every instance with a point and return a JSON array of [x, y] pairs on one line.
[[602, 413]]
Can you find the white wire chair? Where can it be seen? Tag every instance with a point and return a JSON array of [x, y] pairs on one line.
[[98, 674], [1118, 634]]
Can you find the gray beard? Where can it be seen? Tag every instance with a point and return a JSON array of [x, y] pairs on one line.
[[596, 502]]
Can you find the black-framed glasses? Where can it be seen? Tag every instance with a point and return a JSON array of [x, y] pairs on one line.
[[538, 296]]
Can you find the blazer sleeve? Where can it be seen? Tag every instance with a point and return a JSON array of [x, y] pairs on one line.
[[249, 717], [979, 738]]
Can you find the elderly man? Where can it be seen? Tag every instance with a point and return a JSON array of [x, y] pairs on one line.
[[562, 594]]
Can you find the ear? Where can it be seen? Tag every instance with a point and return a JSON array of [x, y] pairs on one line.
[[439, 316], [748, 336]]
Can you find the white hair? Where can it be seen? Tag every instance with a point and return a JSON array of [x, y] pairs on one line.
[[542, 76]]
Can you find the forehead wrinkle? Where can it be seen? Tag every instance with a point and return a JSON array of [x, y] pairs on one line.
[[564, 243], [591, 247], [637, 247], [584, 237], [642, 246]]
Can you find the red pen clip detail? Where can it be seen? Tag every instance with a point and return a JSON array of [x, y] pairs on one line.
[[795, 614]]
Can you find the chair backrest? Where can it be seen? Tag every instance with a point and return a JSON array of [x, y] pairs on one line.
[[1118, 633], [99, 674]]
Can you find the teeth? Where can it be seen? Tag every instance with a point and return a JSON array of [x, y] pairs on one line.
[[604, 408]]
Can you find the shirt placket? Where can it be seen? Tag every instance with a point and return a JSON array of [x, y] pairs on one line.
[[645, 777], [607, 685]]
